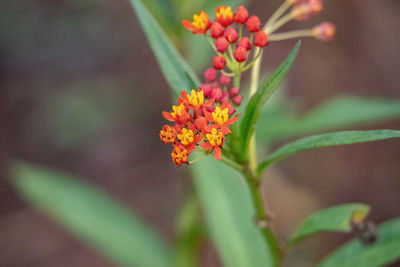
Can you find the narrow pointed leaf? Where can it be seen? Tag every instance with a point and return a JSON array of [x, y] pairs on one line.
[[328, 139], [175, 69], [266, 89], [229, 214], [337, 219], [335, 113], [384, 251], [91, 216]]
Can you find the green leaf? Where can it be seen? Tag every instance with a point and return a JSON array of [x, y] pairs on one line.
[[257, 101], [229, 214], [337, 219], [175, 69], [91, 215], [328, 139], [384, 251], [335, 113]]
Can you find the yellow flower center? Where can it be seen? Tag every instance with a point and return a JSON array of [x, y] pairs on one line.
[[196, 98], [177, 110], [224, 12], [200, 21], [215, 138], [220, 116], [187, 137], [168, 135], [179, 155]]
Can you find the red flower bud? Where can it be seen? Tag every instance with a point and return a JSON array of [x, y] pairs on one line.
[[217, 94], [324, 31], [210, 75], [231, 110], [261, 39], [231, 35], [234, 91], [200, 123], [210, 108], [241, 15], [245, 43], [216, 30], [237, 100], [253, 24], [224, 80], [240, 54], [225, 97], [221, 44], [206, 90], [219, 62]]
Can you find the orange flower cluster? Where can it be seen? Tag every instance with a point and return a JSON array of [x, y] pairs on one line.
[[196, 123]]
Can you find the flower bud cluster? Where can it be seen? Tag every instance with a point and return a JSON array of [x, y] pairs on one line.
[[221, 90], [197, 123], [229, 41]]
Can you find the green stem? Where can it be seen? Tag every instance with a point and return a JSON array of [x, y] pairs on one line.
[[279, 12], [232, 163], [290, 35]]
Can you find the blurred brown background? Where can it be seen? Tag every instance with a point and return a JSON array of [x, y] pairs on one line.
[[81, 91]]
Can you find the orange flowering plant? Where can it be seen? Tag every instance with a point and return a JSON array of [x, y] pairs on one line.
[[215, 130]]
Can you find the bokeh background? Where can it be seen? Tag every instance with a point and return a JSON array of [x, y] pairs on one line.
[[81, 91]]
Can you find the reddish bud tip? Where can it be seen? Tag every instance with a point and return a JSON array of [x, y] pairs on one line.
[[234, 91], [217, 94], [241, 15], [216, 30], [206, 90], [324, 31], [253, 24], [237, 100], [200, 123], [240, 54], [219, 62], [210, 75], [224, 80], [225, 97], [245, 43], [261, 39], [221, 44], [231, 110], [231, 35]]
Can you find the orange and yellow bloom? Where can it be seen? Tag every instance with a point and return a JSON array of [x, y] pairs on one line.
[[200, 25]]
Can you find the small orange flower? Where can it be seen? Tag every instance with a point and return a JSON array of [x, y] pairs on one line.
[[200, 25], [220, 117], [195, 101], [215, 140], [168, 134], [179, 155], [180, 114], [224, 15], [188, 138], [324, 31]]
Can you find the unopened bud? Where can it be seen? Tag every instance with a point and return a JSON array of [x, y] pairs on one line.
[[240, 54], [200, 123], [324, 31], [253, 24], [234, 91], [210, 75], [241, 15], [261, 39], [245, 43], [206, 90], [225, 97], [217, 94], [216, 30], [231, 110], [237, 100], [219, 62], [221, 44], [224, 80], [231, 35]]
